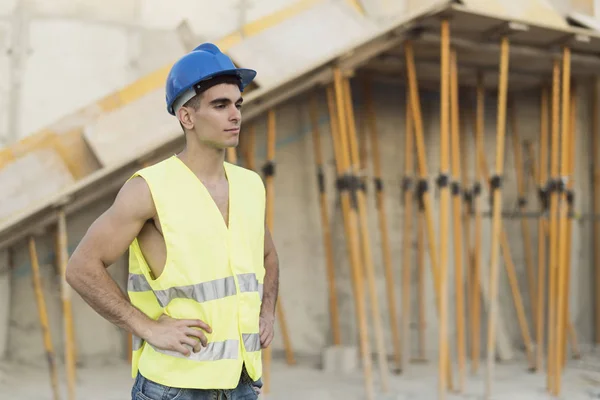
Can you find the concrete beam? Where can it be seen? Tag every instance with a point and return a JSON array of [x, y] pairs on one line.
[[582, 63]]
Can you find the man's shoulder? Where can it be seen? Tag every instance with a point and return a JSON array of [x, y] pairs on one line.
[[135, 198], [154, 168], [146, 178], [245, 175]]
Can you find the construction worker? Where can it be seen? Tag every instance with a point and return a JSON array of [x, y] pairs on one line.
[[203, 270]]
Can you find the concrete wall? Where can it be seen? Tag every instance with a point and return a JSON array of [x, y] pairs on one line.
[[297, 234]]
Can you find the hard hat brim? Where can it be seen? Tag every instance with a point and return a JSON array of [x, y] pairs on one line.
[[246, 76]]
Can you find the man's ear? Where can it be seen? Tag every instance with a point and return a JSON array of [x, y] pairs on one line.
[[185, 117]]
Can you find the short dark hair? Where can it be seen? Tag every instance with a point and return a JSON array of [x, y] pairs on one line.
[[203, 86]]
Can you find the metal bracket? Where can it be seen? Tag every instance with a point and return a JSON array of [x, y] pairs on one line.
[[506, 28], [568, 40], [404, 30], [348, 73], [447, 14], [415, 33], [38, 231]]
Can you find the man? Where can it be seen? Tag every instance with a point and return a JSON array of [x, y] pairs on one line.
[[203, 270]]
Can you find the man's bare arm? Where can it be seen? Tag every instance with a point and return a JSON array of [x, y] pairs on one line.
[[106, 240], [270, 291], [104, 243], [271, 281]]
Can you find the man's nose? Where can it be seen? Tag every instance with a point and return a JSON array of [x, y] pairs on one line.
[[235, 114]]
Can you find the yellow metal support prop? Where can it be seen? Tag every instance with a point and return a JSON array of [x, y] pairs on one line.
[[444, 208], [406, 236], [349, 209], [422, 167], [365, 240], [457, 223], [43, 314], [562, 222], [497, 221], [553, 242], [520, 173], [327, 242], [63, 256], [383, 228], [270, 214]]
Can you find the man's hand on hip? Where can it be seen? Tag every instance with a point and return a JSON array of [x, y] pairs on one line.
[[267, 323], [172, 334]]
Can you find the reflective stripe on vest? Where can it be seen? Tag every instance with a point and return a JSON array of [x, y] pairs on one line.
[[249, 283], [206, 291], [214, 351]]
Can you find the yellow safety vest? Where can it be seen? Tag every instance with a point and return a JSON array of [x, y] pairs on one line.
[[213, 273]]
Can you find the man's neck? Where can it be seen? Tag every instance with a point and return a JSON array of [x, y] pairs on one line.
[[205, 162]]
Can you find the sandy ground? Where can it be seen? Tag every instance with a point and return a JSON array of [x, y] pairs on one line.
[[306, 381]]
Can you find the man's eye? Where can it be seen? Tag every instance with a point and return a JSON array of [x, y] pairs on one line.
[[238, 106]]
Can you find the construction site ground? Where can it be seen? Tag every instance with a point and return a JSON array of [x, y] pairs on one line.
[[306, 380]]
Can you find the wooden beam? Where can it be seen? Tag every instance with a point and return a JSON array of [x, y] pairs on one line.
[[497, 221], [444, 351], [334, 318], [417, 119], [365, 239], [382, 217], [522, 201], [409, 149], [563, 221], [270, 217], [457, 223], [43, 315], [337, 111], [479, 151], [542, 227], [570, 328], [62, 252], [553, 242]]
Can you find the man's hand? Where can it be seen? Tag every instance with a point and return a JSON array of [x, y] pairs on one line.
[[266, 324], [173, 334]]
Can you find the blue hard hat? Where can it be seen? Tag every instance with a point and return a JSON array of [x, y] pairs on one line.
[[204, 62]]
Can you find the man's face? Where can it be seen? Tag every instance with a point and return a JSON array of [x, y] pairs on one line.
[[217, 121]]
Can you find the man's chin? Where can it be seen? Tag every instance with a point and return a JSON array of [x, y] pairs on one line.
[[232, 143], [229, 145]]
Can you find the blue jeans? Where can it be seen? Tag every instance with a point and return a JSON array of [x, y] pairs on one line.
[[145, 389]]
